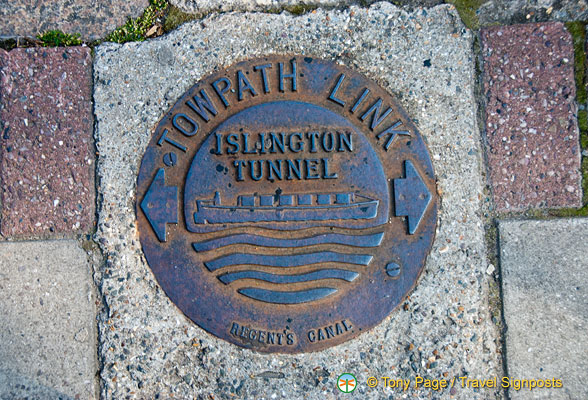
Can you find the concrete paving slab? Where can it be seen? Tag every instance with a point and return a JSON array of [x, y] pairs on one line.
[[531, 125], [47, 324], [150, 348], [46, 121], [92, 19], [507, 12], [484, 13], [545, 287], [207, 6]]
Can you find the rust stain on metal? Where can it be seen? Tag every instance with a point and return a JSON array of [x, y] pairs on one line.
[[286, 204]]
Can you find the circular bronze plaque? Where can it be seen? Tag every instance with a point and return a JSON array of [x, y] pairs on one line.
[[286, 204]]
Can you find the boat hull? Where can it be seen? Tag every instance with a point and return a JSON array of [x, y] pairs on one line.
[[212, 214]]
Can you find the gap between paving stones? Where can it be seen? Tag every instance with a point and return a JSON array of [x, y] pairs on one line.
[[490, 227]]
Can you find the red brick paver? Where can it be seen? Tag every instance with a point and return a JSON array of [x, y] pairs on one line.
[[47, 161], [531, 126]]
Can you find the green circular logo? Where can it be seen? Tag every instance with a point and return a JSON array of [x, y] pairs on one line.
[[346, 383]]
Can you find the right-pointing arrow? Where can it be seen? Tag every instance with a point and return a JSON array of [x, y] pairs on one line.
[[160, 205], [411, 196]]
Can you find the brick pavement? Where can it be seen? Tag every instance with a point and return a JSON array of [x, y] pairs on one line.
[[531, 126], [47, 164]]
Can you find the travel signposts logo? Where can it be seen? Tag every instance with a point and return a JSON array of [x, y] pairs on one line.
[[346, 383], [286, 204]]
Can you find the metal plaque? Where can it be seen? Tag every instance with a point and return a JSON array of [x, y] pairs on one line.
[[286, 204]]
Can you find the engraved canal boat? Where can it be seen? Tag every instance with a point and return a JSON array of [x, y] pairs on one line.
[[286, 207]]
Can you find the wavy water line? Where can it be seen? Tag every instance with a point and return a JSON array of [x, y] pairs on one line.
[[288, 234], [288, 260], [342, 274], [297, 297], [372, 240]]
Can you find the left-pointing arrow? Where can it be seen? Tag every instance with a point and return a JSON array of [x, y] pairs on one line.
[[160, 205]]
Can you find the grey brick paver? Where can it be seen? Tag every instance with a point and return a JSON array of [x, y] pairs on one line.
[[92, 19], [47, 322], [545, 286]]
